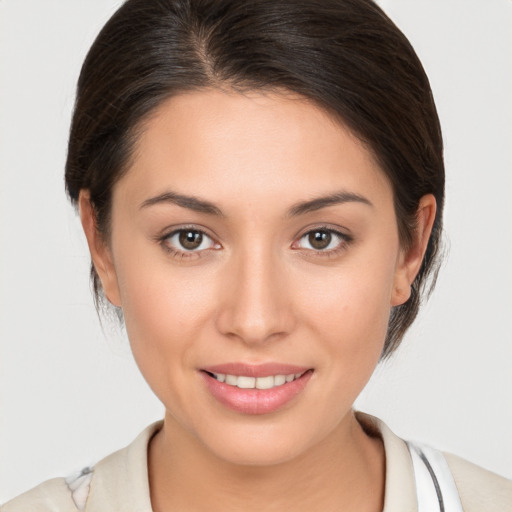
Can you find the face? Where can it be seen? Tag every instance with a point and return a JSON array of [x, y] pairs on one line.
[[254, 245]]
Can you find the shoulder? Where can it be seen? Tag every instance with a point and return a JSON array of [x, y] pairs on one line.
[[479, 488], [119, 482], [49, 496]]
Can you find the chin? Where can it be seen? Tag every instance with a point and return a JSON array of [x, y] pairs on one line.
[[262, 451], [267, 442]]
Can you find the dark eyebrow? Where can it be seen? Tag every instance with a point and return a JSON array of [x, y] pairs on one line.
[[322, 202], [190, 202], [203, 206]]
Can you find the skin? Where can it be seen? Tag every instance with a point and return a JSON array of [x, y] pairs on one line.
[[257, 291]]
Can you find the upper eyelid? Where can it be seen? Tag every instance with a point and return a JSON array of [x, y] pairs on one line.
[[169, 231], [338, 230], [179, 230]]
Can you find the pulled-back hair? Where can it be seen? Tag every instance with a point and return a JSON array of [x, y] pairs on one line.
[[346, 56]]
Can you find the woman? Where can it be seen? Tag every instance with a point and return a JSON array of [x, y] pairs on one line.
[[261, 187]]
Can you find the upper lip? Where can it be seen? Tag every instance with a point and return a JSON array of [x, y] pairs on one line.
[[256, 370]]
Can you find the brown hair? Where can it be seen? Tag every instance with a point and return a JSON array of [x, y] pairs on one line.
[[345, 55]]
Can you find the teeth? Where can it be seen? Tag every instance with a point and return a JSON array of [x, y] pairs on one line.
[[232, 380], [279, 380], [245, 382], [264, 382]]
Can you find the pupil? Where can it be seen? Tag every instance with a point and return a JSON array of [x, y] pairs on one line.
[[320, 239], [190, 239]]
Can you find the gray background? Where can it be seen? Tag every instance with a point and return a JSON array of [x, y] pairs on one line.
[[70, 394]]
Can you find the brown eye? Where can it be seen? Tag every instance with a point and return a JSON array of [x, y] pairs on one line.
[[319, 239], [323, 240], [190, 239]]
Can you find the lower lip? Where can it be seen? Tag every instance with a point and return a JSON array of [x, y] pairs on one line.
[[255, 401]]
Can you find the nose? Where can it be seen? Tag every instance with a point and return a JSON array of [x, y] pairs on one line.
[[255, 303]]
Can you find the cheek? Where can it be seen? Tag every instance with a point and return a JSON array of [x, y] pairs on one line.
[[165, 310], [349, 315], [353, 329], [353, 303], [345, 320], [155, 291]]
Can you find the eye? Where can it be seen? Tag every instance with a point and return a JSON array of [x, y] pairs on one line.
[[323, 240], [188, 240]]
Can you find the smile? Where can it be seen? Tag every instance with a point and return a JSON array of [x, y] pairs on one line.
[[247, 382], [256, 389]]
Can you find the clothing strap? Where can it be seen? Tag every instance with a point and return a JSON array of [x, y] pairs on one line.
[[435, 486]]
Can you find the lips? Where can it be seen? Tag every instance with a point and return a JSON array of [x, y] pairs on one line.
[[255, 389]]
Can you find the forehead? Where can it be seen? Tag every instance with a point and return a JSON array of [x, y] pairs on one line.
[[233, 145]]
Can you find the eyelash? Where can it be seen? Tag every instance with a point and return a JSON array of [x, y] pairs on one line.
[[344, 241], [184, 254]]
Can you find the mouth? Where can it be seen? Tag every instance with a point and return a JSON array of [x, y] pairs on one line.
[[248, 382], [259, 389]]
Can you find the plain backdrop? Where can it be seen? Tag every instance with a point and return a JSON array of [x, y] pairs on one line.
[[70, 394]]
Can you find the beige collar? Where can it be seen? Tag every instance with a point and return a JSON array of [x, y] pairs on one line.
[[120, 481], [400, 490]]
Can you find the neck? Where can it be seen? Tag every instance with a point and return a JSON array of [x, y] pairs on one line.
[[343, 472]]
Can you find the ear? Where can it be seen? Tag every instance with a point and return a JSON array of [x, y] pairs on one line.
[[411, 258], [100, 251]]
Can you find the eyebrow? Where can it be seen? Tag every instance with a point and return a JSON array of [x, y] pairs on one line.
[[324, 201], [202, 206], [189, 202]]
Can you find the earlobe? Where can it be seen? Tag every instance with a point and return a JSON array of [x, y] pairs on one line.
[[400, 294], [411, 258], [100, 252]]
